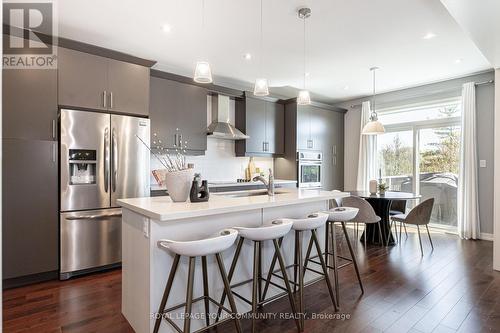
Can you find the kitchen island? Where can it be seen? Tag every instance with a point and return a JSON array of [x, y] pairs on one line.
[[145, 267]]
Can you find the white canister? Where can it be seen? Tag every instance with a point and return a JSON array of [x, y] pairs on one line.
[[373, 186]]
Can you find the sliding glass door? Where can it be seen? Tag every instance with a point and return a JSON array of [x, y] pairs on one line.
[[420, 153], [439, 155]]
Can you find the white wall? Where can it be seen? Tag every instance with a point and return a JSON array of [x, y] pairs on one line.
[[496, 198]]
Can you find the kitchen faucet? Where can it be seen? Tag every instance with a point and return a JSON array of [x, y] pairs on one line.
[[268, 183]]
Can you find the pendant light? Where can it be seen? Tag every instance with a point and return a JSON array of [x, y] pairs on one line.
[[304, 98], [202, 72], [261, 87], [373, 127]]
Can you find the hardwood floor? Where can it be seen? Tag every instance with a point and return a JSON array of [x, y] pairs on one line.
[[452, 289]]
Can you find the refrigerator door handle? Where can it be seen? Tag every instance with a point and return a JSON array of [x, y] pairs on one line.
[[115, 159], [106, 159], [93, 217]]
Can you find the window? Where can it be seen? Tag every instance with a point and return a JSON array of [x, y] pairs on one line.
[[420, 153]]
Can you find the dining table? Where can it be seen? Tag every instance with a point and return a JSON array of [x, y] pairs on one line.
[[381, 204]]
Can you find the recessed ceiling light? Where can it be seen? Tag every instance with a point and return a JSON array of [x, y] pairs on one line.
[[429, 35], [247, 56], [166, 28], [308, 74], [458, 61], [346, 87]]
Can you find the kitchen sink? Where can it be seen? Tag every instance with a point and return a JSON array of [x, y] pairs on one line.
[[241, 194]]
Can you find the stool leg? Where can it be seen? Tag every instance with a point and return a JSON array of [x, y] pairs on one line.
[[227, 289], [335, 268], [353, 257], [325, 271], [308, 253], [298, 236], [189, 294], [327, 240], [260, 273], [271, 270], [287, 283], [256, 251], [163, 303], [205, 289], [230, 275], [295, 264]]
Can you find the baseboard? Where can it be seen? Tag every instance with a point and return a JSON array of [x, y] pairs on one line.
[[29, 279], [486, 236]]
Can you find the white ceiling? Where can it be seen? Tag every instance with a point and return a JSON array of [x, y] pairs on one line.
[[482, 24], [345, 39]]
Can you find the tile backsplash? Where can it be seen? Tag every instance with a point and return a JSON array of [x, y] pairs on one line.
[[219, 162]]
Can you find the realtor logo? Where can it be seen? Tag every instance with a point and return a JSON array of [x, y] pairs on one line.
[[29, 30]]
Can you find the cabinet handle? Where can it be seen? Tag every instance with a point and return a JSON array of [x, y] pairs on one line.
[[111, 100], [54, 149], [54, 134], [104, 97], [175, 140], [263, 146]]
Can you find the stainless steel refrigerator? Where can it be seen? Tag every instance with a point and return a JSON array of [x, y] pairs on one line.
[[101, 160]]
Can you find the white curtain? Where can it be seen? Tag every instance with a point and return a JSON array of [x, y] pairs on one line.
[[367, 162], [468, 207]]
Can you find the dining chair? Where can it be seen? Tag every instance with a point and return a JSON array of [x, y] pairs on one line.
[[365, 215], [420, 215], [398, 207]]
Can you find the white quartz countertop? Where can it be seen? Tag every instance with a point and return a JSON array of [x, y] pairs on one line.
[[163, 209]]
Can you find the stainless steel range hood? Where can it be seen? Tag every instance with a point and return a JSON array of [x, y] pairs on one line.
[[220, 127]]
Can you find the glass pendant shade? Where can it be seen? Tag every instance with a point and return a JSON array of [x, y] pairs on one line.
[[373, 127], [261, 88], [203, 73], [304, 98]]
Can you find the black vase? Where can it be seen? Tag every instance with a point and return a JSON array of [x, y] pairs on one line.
[[199, 193]]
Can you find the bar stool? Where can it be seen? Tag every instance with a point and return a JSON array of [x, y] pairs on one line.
[[277, 229], [310, 223], [193, 249], [338, 215]]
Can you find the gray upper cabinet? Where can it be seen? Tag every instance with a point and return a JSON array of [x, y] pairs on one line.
[[178, 112], [29, 104], [303, 128], [82, 80], [264, 121], [30, 207], [275, 128], [128, 86], [98, 83]]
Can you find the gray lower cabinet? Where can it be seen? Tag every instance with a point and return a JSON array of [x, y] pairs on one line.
[[264, 121], [30, 207], [29, 104], [178, 112], [98, 83]]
